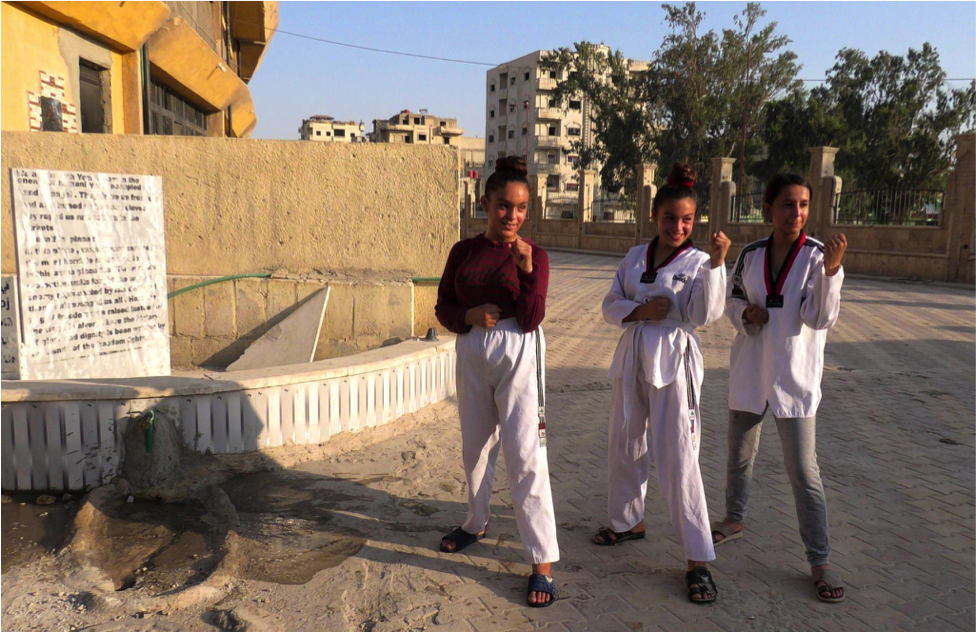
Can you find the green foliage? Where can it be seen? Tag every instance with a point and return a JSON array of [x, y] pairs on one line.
[[892, 117]]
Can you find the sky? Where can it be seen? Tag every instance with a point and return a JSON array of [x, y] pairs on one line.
[[300, 77]]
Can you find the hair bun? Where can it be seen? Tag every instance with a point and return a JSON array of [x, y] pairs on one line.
[[512, 163], [682, 175]]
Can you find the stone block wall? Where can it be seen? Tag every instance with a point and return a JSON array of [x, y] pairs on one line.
[[211, 326]]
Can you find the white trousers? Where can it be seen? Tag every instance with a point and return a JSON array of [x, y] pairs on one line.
[[498, 390], [663, 420]]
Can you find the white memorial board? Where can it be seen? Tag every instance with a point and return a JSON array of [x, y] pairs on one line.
[[10, 330], [91, 261]]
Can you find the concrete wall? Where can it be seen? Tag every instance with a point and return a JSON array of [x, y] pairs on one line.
[[213, 325], [381, 211], [361, 218]]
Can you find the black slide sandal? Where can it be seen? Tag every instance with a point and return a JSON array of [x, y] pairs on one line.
[[616, 538], [542, 584], [701, 579], [461, 539]]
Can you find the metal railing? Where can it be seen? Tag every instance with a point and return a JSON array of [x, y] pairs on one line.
[[747, 208], [618, 208], [561, 206], [704, 200], [889, 207]]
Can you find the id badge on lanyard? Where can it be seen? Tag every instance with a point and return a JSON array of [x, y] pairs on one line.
[[540, 381]]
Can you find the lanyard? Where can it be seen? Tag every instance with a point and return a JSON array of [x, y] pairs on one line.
[[775, 288], [650, 274]]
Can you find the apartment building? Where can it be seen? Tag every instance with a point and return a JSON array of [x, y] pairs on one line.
[[419, 128], [171, 68], [423, 128], [522, 118], [324, 128]]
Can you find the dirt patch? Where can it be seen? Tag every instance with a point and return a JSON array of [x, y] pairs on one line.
[[30, 531]]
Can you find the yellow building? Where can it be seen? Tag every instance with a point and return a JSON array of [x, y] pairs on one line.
[[170, 68]]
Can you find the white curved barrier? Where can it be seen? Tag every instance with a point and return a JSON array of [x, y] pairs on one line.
[[67, 435]]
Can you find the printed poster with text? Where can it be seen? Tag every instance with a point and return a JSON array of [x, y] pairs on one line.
[[91, 263]]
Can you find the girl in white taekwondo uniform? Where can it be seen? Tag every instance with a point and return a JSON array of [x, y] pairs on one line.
[[661, 292], [785, 295], [493, 295]]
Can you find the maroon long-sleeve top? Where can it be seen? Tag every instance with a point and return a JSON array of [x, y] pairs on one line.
[[479, 271]]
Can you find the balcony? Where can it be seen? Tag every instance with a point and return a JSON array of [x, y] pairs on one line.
[[549, 142], [451, 131], [546, 83], [545, 167], [502, 119], [502, 92], [548, 114]]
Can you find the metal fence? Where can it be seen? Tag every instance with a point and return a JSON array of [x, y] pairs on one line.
[[617, 208], [702, 188], [747, 208], [561, 206], [889, 207]]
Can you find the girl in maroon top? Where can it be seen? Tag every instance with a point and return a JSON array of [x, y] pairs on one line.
[[493, 295]]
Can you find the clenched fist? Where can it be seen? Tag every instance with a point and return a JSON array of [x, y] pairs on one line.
[[833, 252], [655, 309], [522, 253], [483, 316], [755, 315], [720, 246]]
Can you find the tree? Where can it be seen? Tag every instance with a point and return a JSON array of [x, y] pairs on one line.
[[619, 122], [690, 104], [892, 117], [708, 92]]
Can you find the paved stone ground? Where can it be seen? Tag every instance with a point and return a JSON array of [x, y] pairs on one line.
[[896, 446]]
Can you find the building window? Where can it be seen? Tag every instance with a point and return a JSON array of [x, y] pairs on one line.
[[172, 115], [329, 134], [95, 96], [491, 113], [551, 159], [553, 131], [575, 105], [512, 82], [572, 160], [491, 138], [573, 131], [340, 133], [491, 163], [318, 132], [406, 121], [492, 88], [511, 133], [526, 75], [552, 74], [408, 139], [352, 135], [416, 120], [572, 186], [525, 131], [421, 136], [511, 107]]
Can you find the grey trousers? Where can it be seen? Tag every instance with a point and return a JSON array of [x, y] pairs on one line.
[[799, 439]]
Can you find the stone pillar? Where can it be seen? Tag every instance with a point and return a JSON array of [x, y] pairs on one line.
[[958, 213], [586, 190], [644, 186], [821, 167], [718, 211], [537, 204]]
